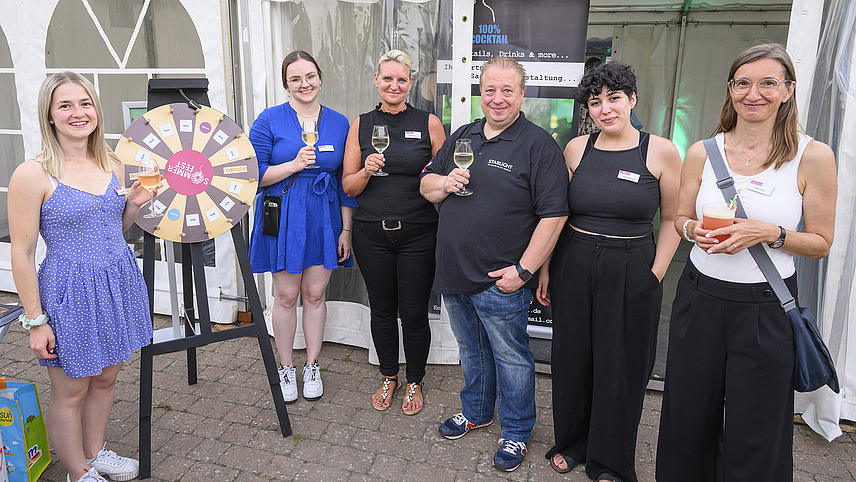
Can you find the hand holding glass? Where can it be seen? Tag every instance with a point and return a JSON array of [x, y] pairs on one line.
[[310, 137], [380, 141], [463, 159], [149, 177]]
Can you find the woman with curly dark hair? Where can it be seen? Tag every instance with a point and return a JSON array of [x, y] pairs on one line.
[[606, 272]]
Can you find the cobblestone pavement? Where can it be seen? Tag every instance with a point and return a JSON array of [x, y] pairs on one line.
[[224, 428]]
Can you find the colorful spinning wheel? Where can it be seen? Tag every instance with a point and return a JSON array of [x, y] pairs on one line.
[[209, 168]]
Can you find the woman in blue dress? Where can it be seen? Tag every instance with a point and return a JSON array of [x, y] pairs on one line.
[[314, 233], [86, 309]]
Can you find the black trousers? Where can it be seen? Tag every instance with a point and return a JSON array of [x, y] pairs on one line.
[[731, 357], [606, 307], [398, 268]]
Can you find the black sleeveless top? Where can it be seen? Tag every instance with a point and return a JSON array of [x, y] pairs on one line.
[[396, 196], [613, 192]]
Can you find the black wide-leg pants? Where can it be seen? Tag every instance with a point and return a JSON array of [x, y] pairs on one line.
[[731, 356], [606, 307]]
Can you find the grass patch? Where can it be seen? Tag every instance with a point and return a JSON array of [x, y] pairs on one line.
[[347, 358], [358, 409], [324, 369], [164, 406], [298, 437]]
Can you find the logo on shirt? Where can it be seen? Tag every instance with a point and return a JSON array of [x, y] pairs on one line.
[[500, 165]]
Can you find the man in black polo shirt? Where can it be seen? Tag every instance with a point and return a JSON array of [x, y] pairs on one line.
[[488, 246]]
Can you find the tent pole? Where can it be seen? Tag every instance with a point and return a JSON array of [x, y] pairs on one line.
[[678, 69]]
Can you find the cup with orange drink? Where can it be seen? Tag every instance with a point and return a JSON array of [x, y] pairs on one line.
[[717, 215]]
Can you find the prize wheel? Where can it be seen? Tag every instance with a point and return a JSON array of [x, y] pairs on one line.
[[209, 169]]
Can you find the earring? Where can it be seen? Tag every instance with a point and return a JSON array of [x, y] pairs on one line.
[[51, 122]]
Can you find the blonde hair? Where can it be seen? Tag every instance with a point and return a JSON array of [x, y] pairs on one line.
[[504, 63], [395, 56], [51, 154], [785, 137]]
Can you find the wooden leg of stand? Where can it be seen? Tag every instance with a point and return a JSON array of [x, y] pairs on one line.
[[189, 310], [146, 367], [262, 334], [146, 364]]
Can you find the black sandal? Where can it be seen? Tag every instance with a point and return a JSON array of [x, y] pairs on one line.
[[607, 476]]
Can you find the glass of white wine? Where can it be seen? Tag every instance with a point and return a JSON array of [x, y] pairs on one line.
[[310, 137], [463, 159], [380, 141], [149, 177]]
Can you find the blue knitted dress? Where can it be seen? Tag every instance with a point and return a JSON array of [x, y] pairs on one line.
[[89, 282]]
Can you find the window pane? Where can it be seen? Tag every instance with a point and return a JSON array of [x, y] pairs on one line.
[[167, 38], [5, 54], [10, 116], [115, 89], [71, 28], [12, 152]]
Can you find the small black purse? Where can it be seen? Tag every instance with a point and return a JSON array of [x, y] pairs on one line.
[[272, 210]]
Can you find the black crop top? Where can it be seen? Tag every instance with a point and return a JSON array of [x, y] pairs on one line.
[[613, 192]]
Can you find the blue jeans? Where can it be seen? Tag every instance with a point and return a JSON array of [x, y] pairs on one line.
[[495, 357]]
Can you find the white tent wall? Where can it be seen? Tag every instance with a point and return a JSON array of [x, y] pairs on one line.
[[26, 26], [828, 112]]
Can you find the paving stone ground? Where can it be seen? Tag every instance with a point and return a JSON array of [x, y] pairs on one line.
[[224, 428]]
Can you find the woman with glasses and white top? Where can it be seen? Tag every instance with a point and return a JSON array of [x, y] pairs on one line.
[[314, 232], [731, 347]]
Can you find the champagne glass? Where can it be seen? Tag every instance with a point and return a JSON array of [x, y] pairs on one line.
[[310, 137], [380, 141], [463, 159], [149, 177]]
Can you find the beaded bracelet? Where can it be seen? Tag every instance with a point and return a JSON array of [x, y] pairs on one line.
[[29, 323]]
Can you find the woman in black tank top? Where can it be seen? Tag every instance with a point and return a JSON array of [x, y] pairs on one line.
[[604, 279], [395, 228]]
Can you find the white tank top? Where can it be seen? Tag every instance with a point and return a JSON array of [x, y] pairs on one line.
[[772, 196]]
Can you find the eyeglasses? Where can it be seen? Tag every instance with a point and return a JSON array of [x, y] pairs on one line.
[[298, 81], [766, 86]]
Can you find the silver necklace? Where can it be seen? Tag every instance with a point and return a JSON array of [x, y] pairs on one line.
[[749, 159]]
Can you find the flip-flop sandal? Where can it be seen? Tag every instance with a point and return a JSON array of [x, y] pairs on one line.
[[387, 394], [571, 463], [411, 389]]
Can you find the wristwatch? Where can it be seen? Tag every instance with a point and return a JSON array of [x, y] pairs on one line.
[[779, 242], [524, 274]]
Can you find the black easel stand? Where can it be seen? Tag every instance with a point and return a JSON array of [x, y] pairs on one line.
[[192, 264]]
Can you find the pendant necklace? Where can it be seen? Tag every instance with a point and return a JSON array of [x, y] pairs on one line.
[[749, 159]]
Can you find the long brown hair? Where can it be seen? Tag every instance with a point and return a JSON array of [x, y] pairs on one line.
[[785, 138], [51, 154]]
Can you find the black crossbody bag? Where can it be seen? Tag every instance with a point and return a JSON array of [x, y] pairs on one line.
[[272, 210], [813, 366]]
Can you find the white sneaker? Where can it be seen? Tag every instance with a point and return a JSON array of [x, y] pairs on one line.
[[114, 466], [312, 386], [91, 476], [288, 384]]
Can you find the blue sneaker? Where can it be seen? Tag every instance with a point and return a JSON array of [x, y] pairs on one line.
[[509, 455], [458, 426]]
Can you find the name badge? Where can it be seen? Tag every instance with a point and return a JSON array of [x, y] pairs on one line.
[[120, 191], [326, 148], [628, 176], [760, 188], [412, 135]]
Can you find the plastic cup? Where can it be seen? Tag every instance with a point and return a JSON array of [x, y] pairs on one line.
[[717, 215]]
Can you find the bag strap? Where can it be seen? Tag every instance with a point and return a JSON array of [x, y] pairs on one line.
[[285, 189], [725, 183]]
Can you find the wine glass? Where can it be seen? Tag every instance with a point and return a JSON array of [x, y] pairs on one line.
[[310, 137], [149, 177], [380, 141], [463, 159]]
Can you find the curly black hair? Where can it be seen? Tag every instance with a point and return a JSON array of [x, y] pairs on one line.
[[613, 75]]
